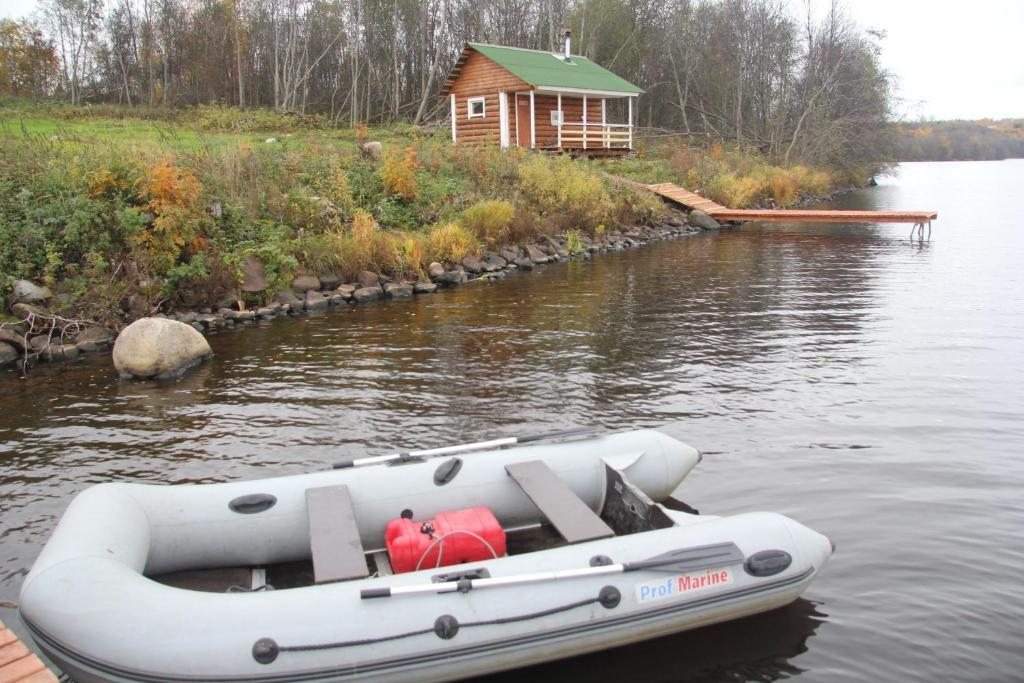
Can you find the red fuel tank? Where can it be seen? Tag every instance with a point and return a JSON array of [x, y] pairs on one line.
[[450, 538]]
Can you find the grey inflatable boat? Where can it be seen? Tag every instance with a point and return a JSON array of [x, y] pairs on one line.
[[297, 579]]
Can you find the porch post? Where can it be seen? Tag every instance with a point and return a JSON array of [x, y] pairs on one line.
[[533, 123], [630, 122], [453, 117], [503, 132], [584, 122], [604, 122], [559, 120]]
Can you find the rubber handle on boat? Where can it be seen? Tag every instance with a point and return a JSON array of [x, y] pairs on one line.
[[343, 464], [368, 593]]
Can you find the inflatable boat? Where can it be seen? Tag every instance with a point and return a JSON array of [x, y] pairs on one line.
[[426, 566]]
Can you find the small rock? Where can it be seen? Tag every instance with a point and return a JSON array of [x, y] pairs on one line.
[[425, 288], [23, 311], [12, 338], [451, 278], [209, 321], [336, 299], [368, 278], [254, 275], [372, 150], [38, 343], [304, 283], [316, 301], [535, 254], [524, 263], [59, 352], [364, 294], [188, 317], [266, 312], [435, 270], [151, 347], [287, 298], [675, 222], [329, 282], [494, 262], [398, 290], [509, 255], [25, 292], [8, 354], [345, 291], [702, 220], [473, 264]]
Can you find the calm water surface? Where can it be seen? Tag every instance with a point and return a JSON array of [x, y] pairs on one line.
[[865, 384]]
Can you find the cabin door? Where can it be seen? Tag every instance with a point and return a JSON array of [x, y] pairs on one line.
[[524, 124]]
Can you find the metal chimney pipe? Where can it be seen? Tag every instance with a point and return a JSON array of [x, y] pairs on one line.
[[568, 39]]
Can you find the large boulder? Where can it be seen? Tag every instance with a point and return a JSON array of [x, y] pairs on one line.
[[304, 283], [158, 347], [8, 354], [25, 292], [254, 275], [367, 278], [702, 220], [372, 150]]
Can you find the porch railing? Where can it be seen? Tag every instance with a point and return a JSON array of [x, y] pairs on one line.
[[596, 135]]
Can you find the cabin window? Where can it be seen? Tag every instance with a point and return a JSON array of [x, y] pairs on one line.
[[476, 107], [556, 117]]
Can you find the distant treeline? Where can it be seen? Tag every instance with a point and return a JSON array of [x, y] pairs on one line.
[[962, 140]]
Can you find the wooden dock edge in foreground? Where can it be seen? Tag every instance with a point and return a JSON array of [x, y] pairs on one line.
[[692, 200], [18, 664]]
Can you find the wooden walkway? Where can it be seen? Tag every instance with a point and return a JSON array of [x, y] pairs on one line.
[[18, 664], [720, 213]]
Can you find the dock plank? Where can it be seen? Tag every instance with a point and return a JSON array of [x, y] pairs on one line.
[[693, 200], [18, 664]]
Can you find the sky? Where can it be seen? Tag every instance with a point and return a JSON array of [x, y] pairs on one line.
[[950, 60]]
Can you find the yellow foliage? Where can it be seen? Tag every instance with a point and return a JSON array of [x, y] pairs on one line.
[[450, 243], [562, 187], [399, 175], [489, 221]]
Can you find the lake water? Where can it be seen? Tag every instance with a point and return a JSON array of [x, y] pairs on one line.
[[869, 385]]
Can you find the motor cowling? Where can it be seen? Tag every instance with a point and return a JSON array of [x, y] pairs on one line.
[[449, 538]]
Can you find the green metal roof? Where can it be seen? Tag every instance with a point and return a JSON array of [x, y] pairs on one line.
[[546, 69]]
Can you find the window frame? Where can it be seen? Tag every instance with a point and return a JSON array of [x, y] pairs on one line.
[[470, 101]]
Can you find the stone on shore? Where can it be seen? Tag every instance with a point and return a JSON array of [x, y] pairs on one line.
[[367, 278], [536, 255], [316, 301], [524, 263], [287, 298], [304, 283], [25, 292], [398, 290], [12, 338], [435, 270], [702, 220], [494, 262], [160, 348], [8, 354], [364, 294], [510, 255], [425, 288], [329, 282], [473, 264], [254, 275], [451, 278], [94, 338], [345, 291]]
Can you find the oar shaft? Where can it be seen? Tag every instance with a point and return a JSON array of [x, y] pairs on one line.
[[494, 582], [462, 448]]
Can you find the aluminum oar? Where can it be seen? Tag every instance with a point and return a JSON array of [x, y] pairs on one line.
[[678, 560], [463, 448]]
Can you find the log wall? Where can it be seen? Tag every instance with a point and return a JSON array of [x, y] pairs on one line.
[[480, 77]]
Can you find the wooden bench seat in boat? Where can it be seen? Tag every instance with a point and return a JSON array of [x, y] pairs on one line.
[[333, 535], [570, 516]]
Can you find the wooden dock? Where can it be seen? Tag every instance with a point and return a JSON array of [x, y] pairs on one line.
[[18, 664], [692, 200]]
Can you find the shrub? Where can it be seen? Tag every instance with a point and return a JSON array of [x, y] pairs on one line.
[[489, 220], [574, 242], [450, 243], [566, 193], [399, 175], [363, 246]]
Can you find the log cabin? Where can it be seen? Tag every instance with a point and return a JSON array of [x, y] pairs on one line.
[[556, 102]]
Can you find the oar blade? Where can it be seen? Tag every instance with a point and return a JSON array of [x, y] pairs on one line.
[[691, 559]]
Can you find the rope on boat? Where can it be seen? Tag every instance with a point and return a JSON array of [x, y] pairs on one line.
[[265, 650]]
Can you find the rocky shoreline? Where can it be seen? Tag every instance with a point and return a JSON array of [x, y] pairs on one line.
[[42, 336]]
